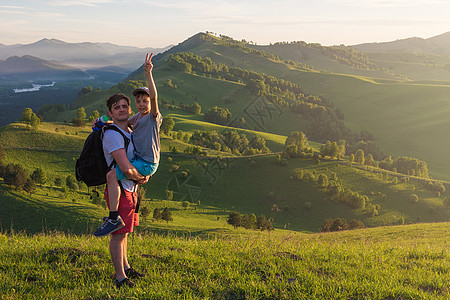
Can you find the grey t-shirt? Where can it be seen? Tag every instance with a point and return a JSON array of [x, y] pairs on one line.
[[112, 141], [146, 136]]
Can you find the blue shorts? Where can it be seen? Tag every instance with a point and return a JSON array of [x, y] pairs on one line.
[[144, 167]]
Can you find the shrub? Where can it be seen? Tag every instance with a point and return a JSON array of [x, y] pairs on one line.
[[413, 198]]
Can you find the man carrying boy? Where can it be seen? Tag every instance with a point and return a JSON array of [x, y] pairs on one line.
[[114, 149], [144, 155]]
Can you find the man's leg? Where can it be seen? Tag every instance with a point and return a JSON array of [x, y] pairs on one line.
[[116, 248], [126, 265]]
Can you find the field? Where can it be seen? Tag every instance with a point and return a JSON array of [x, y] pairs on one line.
[[401, 262]]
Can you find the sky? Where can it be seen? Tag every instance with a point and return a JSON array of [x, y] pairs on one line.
[[169, 22]]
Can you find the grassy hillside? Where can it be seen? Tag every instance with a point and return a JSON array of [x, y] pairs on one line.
[[407, 118], [259, 185], [415, 66], [401, 262]]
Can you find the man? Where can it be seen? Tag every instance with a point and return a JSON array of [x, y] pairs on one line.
[[114, 149]]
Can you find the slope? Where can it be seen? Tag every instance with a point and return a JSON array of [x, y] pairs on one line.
[[395, 116], [257, 184]]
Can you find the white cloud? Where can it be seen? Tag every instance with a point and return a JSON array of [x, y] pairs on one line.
[[388, 3], [89, 3]]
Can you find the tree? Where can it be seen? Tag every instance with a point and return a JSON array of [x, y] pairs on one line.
[[297, 138], [356, 224], [169, 195], [359, 156], [15, 174], [144, 212], [58, 181], [79, 120], [26, 115], [185, 204], [35, 121], [330, 149], [157, 214], [234, 219], [414, 198], [71, 182], [29, 117], [218, 115], [81, 113], [29, 186], [196, 108], [322, 180], [369, 161], [167, 125], [446, 202], [2, 155], [167, 215], [291, 151], [262, 223], [39, 176]]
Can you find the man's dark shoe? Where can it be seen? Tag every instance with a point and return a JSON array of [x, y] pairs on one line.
[[125, 282], [109, 226], [132, 273]]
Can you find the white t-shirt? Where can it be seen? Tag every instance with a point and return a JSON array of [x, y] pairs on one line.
[[113, 141]]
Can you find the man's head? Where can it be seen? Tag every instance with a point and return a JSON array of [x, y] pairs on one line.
[[116, 98], [119, 107], [142, 98]]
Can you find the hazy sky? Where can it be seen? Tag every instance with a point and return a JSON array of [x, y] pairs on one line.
[[165, 22]]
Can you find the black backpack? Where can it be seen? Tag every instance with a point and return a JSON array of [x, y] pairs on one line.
[[91, 166]]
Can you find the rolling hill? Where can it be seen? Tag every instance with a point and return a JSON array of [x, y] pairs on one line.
[[437, 45], [405, 117], [392, 110]]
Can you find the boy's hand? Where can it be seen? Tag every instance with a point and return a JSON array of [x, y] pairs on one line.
[[148, 66]]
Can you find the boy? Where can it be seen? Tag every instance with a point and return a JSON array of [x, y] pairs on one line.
[[145, 137]]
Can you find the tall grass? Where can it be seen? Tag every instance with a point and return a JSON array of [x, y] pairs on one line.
[[404, 262]]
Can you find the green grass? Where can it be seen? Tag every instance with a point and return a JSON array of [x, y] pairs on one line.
[[402, 262]]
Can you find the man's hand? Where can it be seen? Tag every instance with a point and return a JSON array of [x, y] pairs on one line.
[[145, 180]]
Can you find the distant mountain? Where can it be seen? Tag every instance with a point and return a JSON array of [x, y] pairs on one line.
[[83, 55], [437, 45], [33, 67]]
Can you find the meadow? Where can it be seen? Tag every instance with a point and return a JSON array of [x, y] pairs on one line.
[[400, 262], [250, 185]]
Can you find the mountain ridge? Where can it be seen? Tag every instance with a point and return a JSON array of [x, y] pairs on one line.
[[82, 55], [437, 45]]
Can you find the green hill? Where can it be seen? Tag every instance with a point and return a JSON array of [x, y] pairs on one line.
[[290, 191]]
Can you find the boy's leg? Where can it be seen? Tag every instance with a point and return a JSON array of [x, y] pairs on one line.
[[114, 222], [113, 192]]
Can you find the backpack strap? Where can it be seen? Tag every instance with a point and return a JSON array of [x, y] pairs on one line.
[[125, 139], [126, 144]]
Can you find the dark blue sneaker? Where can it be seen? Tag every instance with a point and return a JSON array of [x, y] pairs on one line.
[[109, 226]]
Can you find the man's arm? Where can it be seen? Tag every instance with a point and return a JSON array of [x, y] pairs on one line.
[[120, 156], [148, 67]]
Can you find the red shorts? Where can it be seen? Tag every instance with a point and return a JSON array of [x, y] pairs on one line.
[[127, 207]]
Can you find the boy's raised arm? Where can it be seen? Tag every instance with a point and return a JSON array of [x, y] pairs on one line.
[[148, 67]]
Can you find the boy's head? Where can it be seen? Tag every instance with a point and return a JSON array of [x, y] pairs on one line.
[[142, 98]]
